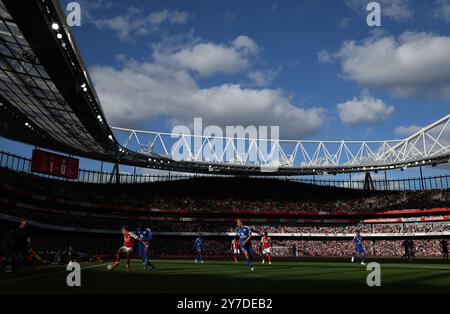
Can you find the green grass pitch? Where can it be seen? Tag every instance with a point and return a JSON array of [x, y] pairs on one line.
[[220, 277]]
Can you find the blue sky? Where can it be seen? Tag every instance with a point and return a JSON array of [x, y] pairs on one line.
[[312, 67], [289, 35]]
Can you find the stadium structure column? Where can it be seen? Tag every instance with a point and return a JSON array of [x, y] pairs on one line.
[[101, 172], [115, 174], [422, 185], [385, 180], [368, 183]]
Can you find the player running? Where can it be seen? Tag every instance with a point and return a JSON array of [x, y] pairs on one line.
[[198, 245], [245, 236], [126, 249], [266, 243], [235, 248], [359, 249], [145, 235]]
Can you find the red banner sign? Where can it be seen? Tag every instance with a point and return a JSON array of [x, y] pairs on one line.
[[53, 164]]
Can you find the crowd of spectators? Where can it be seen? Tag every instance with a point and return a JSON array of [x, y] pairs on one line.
[[158, 195], [393, 248], [113, 222], [83, 212], [364, 228], [311, 229]]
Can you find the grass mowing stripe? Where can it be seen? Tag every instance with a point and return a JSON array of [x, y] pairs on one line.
[[185, 276]]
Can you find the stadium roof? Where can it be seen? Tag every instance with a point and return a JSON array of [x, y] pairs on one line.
[[48, 100], [44, 89], [46, 96]]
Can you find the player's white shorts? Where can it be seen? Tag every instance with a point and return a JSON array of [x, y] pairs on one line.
[[266, 251], [237, 251], [125, 249]]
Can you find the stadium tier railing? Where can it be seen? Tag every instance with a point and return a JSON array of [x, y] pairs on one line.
[[23, 164]]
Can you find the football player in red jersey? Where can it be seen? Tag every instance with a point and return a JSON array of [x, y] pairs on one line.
[[126, 249], [235, 248], [266, 243]]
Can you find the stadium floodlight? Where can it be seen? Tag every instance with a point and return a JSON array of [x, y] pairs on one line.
[[59, 36], [55, 26]]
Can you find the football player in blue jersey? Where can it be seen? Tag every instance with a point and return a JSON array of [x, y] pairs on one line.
[[145, 236], [198, 245], [359, 249], [245, 236]]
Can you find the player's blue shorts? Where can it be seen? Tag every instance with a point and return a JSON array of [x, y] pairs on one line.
[[359, 250], [247, 247], [142, 247]]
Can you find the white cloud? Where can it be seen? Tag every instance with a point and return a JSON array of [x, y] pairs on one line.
[[246, 44], [397, 10], [134, 23], [364, 109], [325, 57], [406, 131], [442, 10], [412, 65], [263, 77], [141, 92], [211, 58]]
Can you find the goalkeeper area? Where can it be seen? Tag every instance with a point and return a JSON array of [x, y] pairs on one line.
[[183, 276]]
